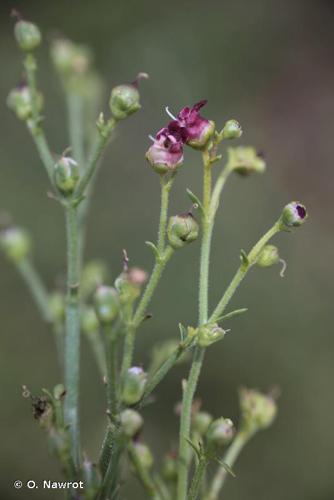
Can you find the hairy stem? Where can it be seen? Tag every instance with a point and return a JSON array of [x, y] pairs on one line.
[[191, 384], [143, 474], [242, 271], [230, 457], [72, 341], [76, 126], [197, 479]]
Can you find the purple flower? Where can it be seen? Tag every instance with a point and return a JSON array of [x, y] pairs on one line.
[[192, 127], [166, 152]]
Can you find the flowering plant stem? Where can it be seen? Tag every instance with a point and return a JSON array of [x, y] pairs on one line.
[[143, 474], [36, 287], [229, 459], [197, 479], [76, 126], [191, 384], [72, 341]]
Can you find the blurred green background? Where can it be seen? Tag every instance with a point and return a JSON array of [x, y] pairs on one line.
[[270, 65]]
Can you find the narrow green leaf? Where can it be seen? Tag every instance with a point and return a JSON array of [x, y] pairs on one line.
[[236, 312], [194, 447], [183, 332], [225, 466], [244, 258], [153, 248], [195, 200]]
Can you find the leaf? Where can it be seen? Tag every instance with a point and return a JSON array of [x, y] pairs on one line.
[[225, 466], [244, 258], [183, 332], [195, 200], [153, 248], [194, 447], [236, 312]]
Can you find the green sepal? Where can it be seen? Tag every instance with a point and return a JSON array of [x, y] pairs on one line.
[[225, 466], [183, 332], [244, 258]]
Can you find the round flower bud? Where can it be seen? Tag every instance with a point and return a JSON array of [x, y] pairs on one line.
[[27, 35], [133, 386], [201, 422], [128, 284], [66, 175], [144, 455], [106, 303], [245, 160], [169, 469], [71, 60], [258, 410], [268, 256], [232, 130], [221, 432], [94, 273], [89, 320], [19, 101], [294, 214], [16, 243], [131, 422], [124, 100], [182, 229], [208, 334], [57, 306]]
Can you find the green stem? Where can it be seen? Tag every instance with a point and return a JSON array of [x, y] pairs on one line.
[[34, 124], [230, 457], [72, 341], [111, 342], [197, 479], [143, 473], [76, 126], [166, 186], [36, 287], [191, 385], [95, 156], [97, 346], [242, 271]]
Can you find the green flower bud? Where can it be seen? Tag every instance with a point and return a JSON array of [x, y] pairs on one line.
[[258, 410], [94, 273], [134, 385], [232, 130], [19, 101], [27, 35], [59, 392], [294, 214], [16, 243], [268, 256], [169, 469], [128, 284], [221, 432], [57, 306], [106, 303], [89, 320], [131, 422], [245, 160], [144, 455], [182, 229], [66, 175], [70, 59], [125, 99], [201, 422], [209, 333]]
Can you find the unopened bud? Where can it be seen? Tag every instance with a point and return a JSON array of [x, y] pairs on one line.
[[209, 333], [16, 243], [128, 284], [169, 469], [66, 175], [258, 410], [28, 35], [94, 273], [144, 455], [232, 130], [245, 160], [268, 256], [221, 432], [133, 386], [19, 101], [89, 320], [70, 59], [106, 303], [182, 229], [124, 101], [294, 214], [201, 422], [57, 306], [131, 422]]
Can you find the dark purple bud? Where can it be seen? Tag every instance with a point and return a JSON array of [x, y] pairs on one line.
[[198, 130]]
